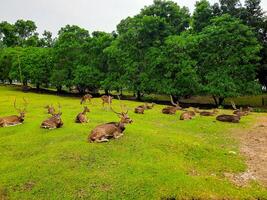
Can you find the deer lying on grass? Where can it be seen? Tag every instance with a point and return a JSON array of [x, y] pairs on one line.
[[139, 110], [187, 115], [207, 113], [50, 109], [104, 132], [86, 97], [241, 111], [229, 118], [53, 122], [81, 117], [106, 100], [14, 120], [171, 110], [146, 106]]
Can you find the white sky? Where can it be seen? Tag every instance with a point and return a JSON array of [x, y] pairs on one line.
[[102, 15]]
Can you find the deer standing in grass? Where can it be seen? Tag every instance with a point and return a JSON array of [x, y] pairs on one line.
[[87, 97], [54, 121], [14, 120], [81, 117], [106, 100], [104, 132], [171, 110]]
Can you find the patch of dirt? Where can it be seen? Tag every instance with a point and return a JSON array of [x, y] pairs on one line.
[[254, 148]]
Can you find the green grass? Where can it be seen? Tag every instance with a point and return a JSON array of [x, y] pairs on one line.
[[158, 157]]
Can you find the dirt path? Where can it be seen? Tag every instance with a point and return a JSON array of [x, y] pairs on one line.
[[254, 148]]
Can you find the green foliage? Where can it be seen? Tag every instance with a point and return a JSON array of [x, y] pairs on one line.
[[228, 58], [179, 68], [202, 15]]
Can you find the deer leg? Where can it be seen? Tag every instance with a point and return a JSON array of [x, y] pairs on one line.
[[102, 139]]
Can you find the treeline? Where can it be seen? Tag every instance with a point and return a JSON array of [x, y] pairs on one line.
[[219, 50]]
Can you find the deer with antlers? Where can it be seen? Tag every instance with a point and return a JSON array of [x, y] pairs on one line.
[[104, 132], [54, 121], [240, 111], [14, 120], [50, 109], [81, 117], [171, 110], [87, 97]]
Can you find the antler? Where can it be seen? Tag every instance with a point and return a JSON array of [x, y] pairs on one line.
[[25, 104], [233, 105], [114, 111], [19, 110], [59, 108], [175, 104]]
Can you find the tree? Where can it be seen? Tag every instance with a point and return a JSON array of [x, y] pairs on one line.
[[228, 59], [8, 34], [176, 17], [202, 15], [46, 40], [178, 71], [68, 51], [138, 37]]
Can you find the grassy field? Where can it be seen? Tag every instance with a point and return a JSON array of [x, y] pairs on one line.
[[159, 156]]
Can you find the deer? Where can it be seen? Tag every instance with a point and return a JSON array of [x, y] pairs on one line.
[[207, 113], [139, 110], [229, 118], [54, 121], [171, 110], [187, 115], [50, 109], [106, 100], [81, 117], [241, 111], [105, 132], [146, 106], [86, 97], [14, 120]]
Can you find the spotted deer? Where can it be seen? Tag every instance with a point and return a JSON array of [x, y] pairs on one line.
[[81, 117], [14, 120], [240, 111], [87, 97], [187, 115], [50, 109], [171, 110], [106, 100], [54, 121], [105, 132]]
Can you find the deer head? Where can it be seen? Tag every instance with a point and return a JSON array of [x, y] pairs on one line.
[[22, 111]]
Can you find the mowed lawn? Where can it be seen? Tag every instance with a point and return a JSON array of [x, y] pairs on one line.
[[159, 156]]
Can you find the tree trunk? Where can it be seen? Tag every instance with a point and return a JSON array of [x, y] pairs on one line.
[[38, 86], [215, 100], [59, 89], [106, 91], [138, 93], [10, 81], [221, 100]]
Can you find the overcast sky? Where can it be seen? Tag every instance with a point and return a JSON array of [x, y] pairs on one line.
[[102, 15]]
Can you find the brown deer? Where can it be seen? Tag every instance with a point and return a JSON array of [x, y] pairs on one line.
[[50, 109], [87, 97], [14, 120], [240, 111], [229, 118], [104, 132], [53, 122], [187, 115], [207, 113], [139, 110], [146, 106], [81, 117], [171, 110], [106, 100]]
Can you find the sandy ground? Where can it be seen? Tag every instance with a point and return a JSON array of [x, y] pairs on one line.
[[253, 145]]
